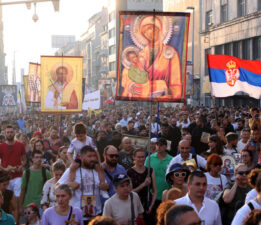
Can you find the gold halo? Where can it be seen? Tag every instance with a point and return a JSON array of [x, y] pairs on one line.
[[67, 66], [124, 59], [138, 38]]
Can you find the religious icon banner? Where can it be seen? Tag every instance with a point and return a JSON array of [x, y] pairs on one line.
[[61, 84], [34, 82], [26, 89], [8, 95], [152, 56]]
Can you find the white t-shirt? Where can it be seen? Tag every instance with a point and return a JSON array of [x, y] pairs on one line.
[[119, 209], [243, 212], [228, 151], [240, 146], [90, 185], [76, 146], [251, 195], [214, 185]]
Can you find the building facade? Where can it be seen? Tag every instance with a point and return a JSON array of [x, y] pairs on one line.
[[3, 68], [230, 27]]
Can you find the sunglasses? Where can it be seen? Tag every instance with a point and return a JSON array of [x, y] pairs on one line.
[[28, 213], [241, 173], [179, 174], [217, 164], [113, 155]]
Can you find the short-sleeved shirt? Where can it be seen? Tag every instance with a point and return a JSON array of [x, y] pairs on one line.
[[50, 217], [35, 186], [76, 146], [118, 170], [125, 159], [159, 166], [119, 209], [6, 219], [215, 185], [11, 156]]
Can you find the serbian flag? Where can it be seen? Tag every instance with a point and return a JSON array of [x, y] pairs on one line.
[[229, 75]]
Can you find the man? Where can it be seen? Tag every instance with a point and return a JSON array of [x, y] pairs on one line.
[[255, 121], [119, 205], [125, 155], [13, 160], [185, 148], [235, 193], [176, 134], [181, 215], [101, 142], [33, 181], [111, 166], [130, 127], [124, 120], [254, 143], [53, 142], [207, 209], [61, 94], [245, 135], [159, 162], [86, 182], [21, 123], [231, 147]]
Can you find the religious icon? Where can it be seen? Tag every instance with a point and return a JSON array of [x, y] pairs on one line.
[[61, 78], [151, 65], [8, 95], [34, 83], [89, 205]]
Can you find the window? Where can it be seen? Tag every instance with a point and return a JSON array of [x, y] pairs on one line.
[[259, 5], [257, 48], [112, 49], [111, 16], [207, 51], [208, 19], [236, 49], [112, 33], [246, 49], [223, 15], [219, 49], [112, 66], [241, 8], [228, 49]]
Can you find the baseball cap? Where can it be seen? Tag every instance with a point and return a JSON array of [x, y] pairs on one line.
[[120, 178]]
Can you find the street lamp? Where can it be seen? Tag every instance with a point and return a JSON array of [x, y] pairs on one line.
[[192, 58]]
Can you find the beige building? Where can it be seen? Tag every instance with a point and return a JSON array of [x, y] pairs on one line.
[[230, 27], [191, 6]]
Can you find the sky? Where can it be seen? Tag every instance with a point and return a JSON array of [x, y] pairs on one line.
[[28, 40]]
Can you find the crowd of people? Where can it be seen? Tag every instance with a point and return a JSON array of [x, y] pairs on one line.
[[195, 166]]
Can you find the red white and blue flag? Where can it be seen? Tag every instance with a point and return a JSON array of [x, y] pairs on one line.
[[229, 75]]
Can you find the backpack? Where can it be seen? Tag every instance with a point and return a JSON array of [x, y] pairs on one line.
[[27, 176]]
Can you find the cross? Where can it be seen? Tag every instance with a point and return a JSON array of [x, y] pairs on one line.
[[72, 222]]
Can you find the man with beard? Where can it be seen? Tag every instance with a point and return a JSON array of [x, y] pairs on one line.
[[111, 166], [13, 160], [53, 142], [86, 183], [116, 139], [101, 142]]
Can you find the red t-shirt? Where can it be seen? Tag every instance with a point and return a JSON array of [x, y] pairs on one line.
[[11, 156]]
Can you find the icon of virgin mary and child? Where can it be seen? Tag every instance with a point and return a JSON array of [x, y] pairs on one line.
[[151, 67]]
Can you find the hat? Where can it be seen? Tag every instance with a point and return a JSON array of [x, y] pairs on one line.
[[37, 133], [153, 140], [172, 168], [119, 179]]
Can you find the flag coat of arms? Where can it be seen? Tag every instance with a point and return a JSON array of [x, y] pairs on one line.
[[229, 75]]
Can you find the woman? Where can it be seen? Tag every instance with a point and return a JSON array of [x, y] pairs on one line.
[[141, 180], [48, 198], [215, 145], [254, 218], [62, 212], [161, 210], [63, 156], [247, 158], [216, 182], [176, 176], [32, 215]]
